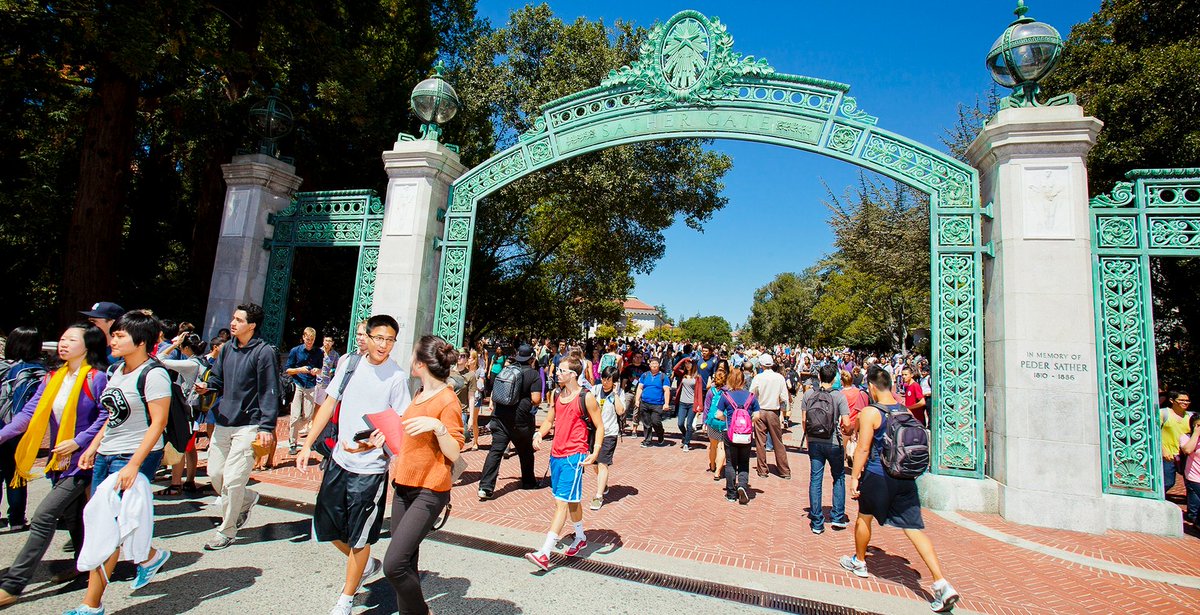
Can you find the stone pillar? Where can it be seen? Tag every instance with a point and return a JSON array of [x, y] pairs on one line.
[[1042, 413], [419, 178], [258, 185]]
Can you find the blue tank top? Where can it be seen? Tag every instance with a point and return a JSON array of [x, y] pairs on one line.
[[874, 465]]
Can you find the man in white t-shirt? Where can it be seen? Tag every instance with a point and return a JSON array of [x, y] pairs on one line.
[[350, 504]]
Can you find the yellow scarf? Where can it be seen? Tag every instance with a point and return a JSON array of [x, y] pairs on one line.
[[27, 449]]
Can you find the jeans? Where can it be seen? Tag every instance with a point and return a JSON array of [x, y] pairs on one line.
[[737, 468], [230, 459], [685, 422], [820, 453], [1169, 473], [1193, 500], [107, 465], [505, 429], [652, 421], [766, 422], [65, 501], [18, 497], [414, 511]]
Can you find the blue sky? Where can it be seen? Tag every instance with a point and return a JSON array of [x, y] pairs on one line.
[[909, 63]]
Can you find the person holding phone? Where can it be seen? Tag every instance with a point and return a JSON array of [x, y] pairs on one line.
[[350, 503]]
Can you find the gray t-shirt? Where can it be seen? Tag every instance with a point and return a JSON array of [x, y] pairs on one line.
[[372, 388], [128, 418], [843, 409]]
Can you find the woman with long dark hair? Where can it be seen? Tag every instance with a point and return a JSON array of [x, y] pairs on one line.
[[65, 404], [422, 468], [23, 350]]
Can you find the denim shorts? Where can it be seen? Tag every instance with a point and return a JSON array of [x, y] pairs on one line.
[[107, 465]]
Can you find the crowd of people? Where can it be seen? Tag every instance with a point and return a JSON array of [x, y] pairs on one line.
[[107, 403]]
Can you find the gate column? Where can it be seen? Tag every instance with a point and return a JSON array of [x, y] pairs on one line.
[[258, 185], [419, 177], [1042, 401]]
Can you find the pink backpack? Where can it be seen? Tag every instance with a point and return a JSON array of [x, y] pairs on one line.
[[741, 427]]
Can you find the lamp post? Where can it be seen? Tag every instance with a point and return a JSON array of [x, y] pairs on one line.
[[1024, 54], [435, 102], [271, 120]]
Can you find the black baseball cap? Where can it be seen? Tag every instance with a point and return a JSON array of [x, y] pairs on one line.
[[524, 353], [104, 309]]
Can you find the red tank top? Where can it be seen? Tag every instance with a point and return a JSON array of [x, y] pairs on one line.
[[570, 432]]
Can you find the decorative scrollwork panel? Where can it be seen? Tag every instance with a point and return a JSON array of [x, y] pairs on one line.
[[958, 446]]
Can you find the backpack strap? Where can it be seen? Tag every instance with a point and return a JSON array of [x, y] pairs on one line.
[[351, 365], [88, 381]]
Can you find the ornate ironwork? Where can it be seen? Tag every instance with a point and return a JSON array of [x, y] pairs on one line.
[[333, 218], [688, 82], [1157, 213]]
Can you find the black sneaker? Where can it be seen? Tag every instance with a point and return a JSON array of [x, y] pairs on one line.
[[485, 494], [743, 497]]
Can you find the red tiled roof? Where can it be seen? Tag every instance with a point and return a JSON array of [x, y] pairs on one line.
[[636, 305]]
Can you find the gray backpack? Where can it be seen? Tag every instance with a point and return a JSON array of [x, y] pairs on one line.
[[506, 390]]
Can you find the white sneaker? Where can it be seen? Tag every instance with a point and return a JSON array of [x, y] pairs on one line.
[[342, 609], [374, 567], [854, 565], [944, 599], [244, 517]]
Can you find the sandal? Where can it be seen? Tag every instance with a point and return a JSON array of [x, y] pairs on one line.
[[190, 486], [172, 490]]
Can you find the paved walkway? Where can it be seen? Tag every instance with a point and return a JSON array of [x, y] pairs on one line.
[[663, 502]]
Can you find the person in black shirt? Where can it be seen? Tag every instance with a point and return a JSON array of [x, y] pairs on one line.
[[516, 424], [629, 381]]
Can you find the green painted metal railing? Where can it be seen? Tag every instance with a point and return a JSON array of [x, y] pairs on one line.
[[351, 218], [1156, 213]]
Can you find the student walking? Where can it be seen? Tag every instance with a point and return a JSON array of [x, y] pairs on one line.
[[67, 406], [137, 398], [513, 422], [652, 395], [304, 365], [350, 503], [893, 501], [568, 455], [825, 413], [23, 371], [247, 376], [421, 470], [715, 428], [689, 383], [770, 390], [733, 403], [612, 409]]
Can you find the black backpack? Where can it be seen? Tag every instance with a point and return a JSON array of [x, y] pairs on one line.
[[329, 436], [820, 415], [9, 404], [905, 452], [179, 416], [506, 390]]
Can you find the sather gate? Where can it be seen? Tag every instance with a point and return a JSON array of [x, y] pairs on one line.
[[689, 83]]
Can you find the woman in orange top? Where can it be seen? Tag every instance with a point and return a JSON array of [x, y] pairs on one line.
[[421, 469]]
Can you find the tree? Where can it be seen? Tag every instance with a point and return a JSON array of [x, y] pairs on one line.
[[569, 238], [606, 332], [117, 117], [783, 310], [712, 329], [662, 312], [663, 334]]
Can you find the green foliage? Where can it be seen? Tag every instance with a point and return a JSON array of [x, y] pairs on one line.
[[568, 239], [871, 292], [606, 332], [664, 334], [662, 312], [712, 329], [195, 68]]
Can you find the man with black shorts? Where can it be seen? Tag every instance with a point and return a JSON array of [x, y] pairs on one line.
[[514, 423], [894, 501], [350, 504], [612, 408]]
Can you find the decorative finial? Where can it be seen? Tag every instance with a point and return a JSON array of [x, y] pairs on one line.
[[1021, 9]]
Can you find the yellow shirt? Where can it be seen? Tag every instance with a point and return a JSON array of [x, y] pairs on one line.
[[1173, 426]]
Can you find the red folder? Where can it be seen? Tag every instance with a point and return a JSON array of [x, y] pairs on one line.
[[392, 426]]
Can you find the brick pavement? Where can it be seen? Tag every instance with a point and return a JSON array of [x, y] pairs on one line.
[[662, 501]]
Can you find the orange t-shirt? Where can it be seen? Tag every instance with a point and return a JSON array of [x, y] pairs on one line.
[[419, 462]]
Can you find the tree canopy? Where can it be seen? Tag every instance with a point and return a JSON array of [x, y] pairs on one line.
[[712, 329]]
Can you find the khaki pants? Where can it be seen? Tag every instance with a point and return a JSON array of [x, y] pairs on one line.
[[767, 422], [303, 405], [230, 458]]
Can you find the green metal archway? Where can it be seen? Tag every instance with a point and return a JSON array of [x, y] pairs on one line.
[[688, 82]]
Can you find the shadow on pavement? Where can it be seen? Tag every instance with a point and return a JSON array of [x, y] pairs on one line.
[[280, 530], [182, 526], [193, 589], [616, 493], [176, 507], [445, 595], [897, 569]]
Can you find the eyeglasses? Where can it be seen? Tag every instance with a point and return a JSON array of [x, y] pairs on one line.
[[379, 339], [565, 370], [1184, 401]]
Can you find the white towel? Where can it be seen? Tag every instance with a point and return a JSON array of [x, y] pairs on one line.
[[112, 520]]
